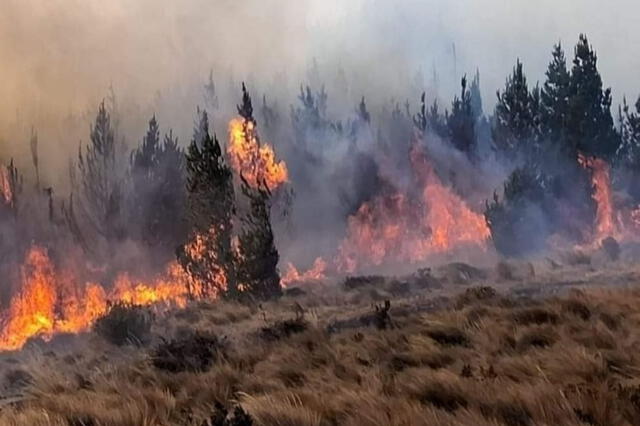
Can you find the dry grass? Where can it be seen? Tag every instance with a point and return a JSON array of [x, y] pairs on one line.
[[476, 356]]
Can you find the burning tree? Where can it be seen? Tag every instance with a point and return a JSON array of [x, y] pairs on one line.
[[158, 195], [257, 255], [209, 258]]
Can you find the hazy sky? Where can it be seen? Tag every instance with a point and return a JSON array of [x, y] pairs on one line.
[[60, 56]]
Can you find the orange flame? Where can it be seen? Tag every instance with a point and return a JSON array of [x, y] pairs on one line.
[[606, 224], [398, 229], [254, 160], [5, 185], [51, 302], [316, 273]]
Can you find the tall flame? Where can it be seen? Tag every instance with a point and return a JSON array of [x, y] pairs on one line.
[[399, 229], [6, 190], [606, 222], [254, 160]]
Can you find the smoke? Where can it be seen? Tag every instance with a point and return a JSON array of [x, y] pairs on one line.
[[60, 57]]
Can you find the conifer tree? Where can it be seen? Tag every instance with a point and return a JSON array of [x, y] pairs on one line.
[[476, 96], [99, 193], [209, 255], [310, 117], [257, 254], [518, 219], [158, 190], [461, 122], [589, 121], [628, 156], [514, 127], [437, 122], [257, 261], [554, 99], [420, 120]]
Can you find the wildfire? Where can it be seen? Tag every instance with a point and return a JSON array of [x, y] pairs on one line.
[[51, 301], [316, 273], [399, 229], [606, 224], [6, 190], [254, 160]]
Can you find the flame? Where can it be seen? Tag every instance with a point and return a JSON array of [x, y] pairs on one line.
[[400, 229], [316, 273], [5, 185], [254, 160], [198, 249], [606, 224], [51, 301]]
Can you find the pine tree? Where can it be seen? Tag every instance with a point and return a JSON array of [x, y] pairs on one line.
[[518, 221], [589, 121], [211, 202], [554, 99], [420, 119], [461, 122], [476, 96], [437, 122], [514, 127], [257, 254], [257, 261], [158, 190], [99, 193], [310, 118], [628, 156]]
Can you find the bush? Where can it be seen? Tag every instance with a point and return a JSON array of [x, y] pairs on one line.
[[195, 352], [517, 221], [125, 323], [283, 329], [448, 336]]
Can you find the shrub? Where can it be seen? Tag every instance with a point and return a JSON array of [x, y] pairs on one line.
[[284, 329], [448, 336], [195, 352], [517, 221], [125, 323]]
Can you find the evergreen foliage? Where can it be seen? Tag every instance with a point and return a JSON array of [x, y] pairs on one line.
[[461, 122], [517, 220], [158, 204], [211, 202], [554, 99], [98, 188], [514, 127], [257, 260], [589, 121]]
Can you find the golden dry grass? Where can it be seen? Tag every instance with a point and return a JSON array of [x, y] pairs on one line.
[[456, 354]]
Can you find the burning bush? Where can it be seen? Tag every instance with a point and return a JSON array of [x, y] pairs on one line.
[[125, 323]]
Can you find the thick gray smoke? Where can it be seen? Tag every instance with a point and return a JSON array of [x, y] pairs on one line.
[[60, 57]]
